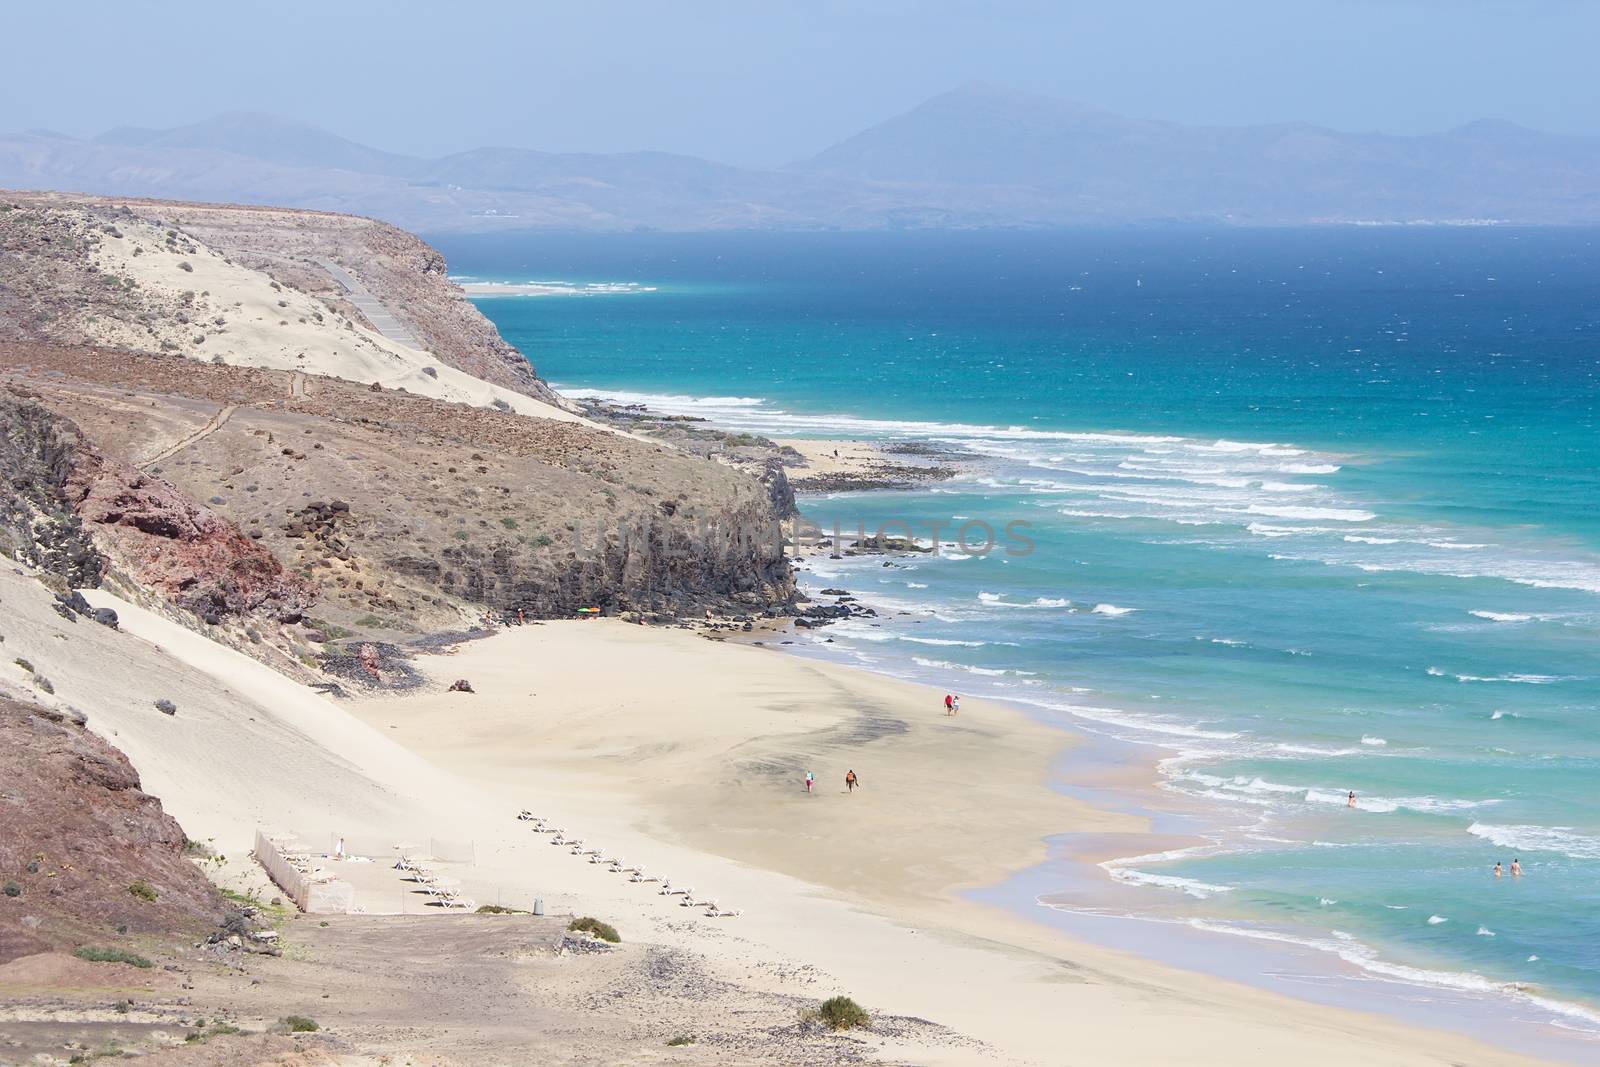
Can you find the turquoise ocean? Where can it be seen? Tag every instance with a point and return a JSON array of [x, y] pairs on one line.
[[1311, 511]]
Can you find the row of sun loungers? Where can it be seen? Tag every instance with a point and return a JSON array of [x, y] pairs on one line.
[[434, 885], [635, 873]]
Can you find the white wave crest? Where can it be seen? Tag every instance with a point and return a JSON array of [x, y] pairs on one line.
[[1561, 839]]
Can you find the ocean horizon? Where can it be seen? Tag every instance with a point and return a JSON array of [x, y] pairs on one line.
[[1310, 512]]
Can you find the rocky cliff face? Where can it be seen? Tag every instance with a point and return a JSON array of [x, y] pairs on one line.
[[73, 511], [86, 856], [404, 512], [37, 524]]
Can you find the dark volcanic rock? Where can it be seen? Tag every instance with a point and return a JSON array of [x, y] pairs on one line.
[[37, 523]]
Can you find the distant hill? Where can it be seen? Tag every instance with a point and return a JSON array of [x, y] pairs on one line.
[[974, 157], [1057, 158], [266, 138]]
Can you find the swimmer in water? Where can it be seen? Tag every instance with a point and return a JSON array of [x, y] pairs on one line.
[[1516, 868], [1351, 802], [1497, 868]]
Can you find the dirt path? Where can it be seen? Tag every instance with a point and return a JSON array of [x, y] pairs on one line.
[[216, 423]]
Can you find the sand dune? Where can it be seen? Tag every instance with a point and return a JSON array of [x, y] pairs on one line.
[[240, 316]]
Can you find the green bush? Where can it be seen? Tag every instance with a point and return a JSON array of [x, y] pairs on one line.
[[842, 1013], [496, 909], [24, 664], [590, 925], [143, 890], [299, 1024], [112, 955], [681, 1040], [12, 889]]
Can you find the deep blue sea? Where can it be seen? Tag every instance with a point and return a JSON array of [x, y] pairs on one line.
[[1311, 512]]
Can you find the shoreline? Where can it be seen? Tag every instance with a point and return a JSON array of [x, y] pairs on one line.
[[913, 873], [658, 745], [1409, 992], [1290, 962]]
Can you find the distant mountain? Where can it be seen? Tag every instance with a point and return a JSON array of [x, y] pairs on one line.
[[974, 157], [264, 137], [1052, 155]]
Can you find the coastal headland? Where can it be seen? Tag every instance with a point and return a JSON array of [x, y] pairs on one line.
[[320, 585]]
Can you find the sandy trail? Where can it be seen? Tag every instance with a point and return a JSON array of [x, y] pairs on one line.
[[215, 423]]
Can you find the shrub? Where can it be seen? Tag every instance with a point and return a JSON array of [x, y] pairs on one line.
[[681, 1040], [43, 684], [544, 540], [590, 925], [509, 523], [842, 1013], [299, 1024], [24, 664], [496, 909], [143, 890], [185, 266], [112, 955], [12, 889], [166, 707], [202, 1034]]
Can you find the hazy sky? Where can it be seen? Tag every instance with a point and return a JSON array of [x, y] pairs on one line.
[[764, 82]]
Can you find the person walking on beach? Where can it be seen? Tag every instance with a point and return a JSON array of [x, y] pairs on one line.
[[955, 705], [809, 780], [1516, 868], [949, 703], [1497, 868], [850, 781]]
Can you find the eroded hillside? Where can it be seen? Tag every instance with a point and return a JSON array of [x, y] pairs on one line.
[[254, 287], [288, 389], [408, 514]]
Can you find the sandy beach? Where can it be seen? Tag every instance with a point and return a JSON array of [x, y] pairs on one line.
[[689, 755], [686, 756]]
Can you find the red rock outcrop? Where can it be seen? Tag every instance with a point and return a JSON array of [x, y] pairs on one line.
[[182, 550], [85, 852]]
